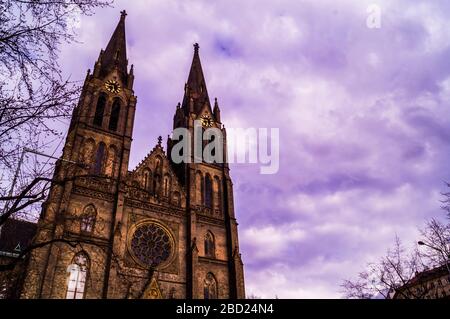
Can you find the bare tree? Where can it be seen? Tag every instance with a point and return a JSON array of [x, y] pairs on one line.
[[435, 243], [380, 279], [398, 271], [33, 92], [401, 269]]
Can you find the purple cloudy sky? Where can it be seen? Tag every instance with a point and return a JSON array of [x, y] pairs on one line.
[[363, 115]]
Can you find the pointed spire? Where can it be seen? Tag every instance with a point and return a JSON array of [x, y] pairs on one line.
[[195, 87], [216, 110], [115, 53]]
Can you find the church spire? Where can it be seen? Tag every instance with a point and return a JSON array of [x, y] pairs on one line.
[[115, 54], [195, 87]]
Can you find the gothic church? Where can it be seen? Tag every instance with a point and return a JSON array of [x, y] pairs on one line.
[[161, 230]]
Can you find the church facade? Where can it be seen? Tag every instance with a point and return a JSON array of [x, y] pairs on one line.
[[161, 230]]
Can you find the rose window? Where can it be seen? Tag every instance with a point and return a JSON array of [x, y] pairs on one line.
[[151, 244]]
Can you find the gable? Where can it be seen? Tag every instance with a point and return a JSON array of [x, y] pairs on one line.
[[155, 177]]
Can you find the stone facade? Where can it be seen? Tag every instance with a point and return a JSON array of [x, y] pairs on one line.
[[162, 230], [430, 284]]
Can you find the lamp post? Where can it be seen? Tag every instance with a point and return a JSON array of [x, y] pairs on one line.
[[446, 258]]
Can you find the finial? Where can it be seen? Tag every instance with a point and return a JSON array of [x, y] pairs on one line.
[[178, 105], [123, 14], [196, 47], [159, 140]]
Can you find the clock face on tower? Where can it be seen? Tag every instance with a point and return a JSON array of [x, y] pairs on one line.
[[113, 86], [207, 121]]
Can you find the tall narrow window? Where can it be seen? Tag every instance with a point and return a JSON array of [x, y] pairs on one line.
[[78, 272], [199, 188], [147, 179], [166, 187], [208, 191], [210, 246], [100, 110], [210, 287], [167, 182], [217, 194], [156, 184], [88, 219], [99, 157], [115, 112]]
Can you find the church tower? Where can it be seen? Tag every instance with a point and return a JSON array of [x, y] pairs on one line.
[[209, 190], [161, 230], [85, 199]]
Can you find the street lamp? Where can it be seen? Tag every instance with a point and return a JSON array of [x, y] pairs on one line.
[[446, 258]]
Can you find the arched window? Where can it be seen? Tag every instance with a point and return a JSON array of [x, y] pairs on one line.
[[88, 219], [156, 184], [217, 193], [210, 246], [147, 179], [158, 166], [78, 272], [167, 181], [100, 110], [115, 112], [208, 191], [199, 187], [210, 287], [99, 157]]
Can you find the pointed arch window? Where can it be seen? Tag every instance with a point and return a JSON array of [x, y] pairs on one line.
[[99, 158], [147, 179], [199, 187], [115, 112], [100, 110], [78, 272], [210, 287], [210, 246], [217, 194], [88, 219], [208, 191], [167, 182]]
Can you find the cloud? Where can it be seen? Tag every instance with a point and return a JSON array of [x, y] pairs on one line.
[[363, 117]]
